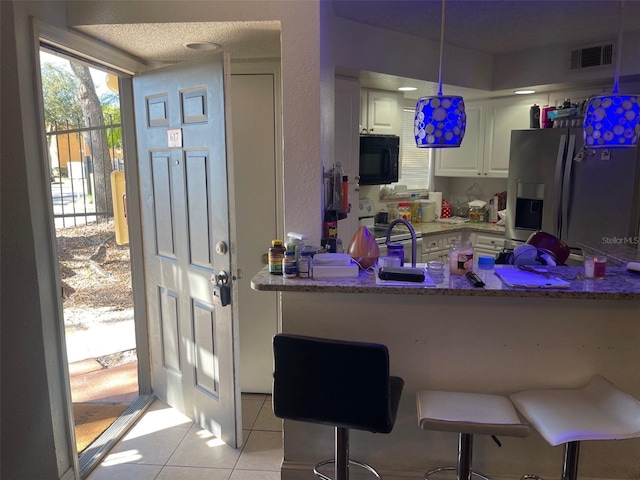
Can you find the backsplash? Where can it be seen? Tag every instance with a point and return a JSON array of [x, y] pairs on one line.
[[463, 190], [455, 190]]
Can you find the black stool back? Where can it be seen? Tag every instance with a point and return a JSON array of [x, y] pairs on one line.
[[340, 383]]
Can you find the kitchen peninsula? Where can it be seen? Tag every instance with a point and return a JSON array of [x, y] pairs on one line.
[[452, 336]]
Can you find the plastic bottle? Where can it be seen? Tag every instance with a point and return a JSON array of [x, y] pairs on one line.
[[486, 265], [276, 254], [289, 264], [304, 264], [294, 245], [416, 209], [404, 211], [330, 224], [534, 116], [345, 192], [338, 193], [396, 250]]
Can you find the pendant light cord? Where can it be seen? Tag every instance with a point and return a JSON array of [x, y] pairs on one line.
[[441, 50], [619, 52]]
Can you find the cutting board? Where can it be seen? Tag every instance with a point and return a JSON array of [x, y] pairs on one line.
[[514, 277]]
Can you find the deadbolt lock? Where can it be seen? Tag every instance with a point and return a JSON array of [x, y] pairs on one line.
[[221, 248]]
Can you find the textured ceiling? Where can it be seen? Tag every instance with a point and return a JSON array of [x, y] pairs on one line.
[[491, 26], [163, 43]]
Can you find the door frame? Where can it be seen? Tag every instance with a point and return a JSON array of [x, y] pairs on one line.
[[124, 67]]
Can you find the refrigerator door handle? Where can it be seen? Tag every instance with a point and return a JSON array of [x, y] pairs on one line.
[[557, 186], [566, 187]]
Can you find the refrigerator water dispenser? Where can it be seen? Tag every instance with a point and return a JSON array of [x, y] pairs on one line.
[[529, 205]]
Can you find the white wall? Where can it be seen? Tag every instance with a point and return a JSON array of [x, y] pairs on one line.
[[549, 65], [378, 50]]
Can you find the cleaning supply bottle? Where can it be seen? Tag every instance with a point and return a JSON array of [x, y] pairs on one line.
[[416, 208]]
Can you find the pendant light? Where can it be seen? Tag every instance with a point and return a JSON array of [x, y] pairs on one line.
[[440, 120], [613, 121]]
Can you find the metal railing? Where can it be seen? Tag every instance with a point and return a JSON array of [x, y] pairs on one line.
[[81, 187]]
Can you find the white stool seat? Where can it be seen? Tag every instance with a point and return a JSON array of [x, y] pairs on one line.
[[471, 413], [597, 411]]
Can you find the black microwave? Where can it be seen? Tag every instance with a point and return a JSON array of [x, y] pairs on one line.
[[379, 159]]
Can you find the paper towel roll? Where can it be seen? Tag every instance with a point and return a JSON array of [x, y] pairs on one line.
[[437, 197]]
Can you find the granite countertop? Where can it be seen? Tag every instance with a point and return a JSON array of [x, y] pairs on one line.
[[619, 284], [617, 253]]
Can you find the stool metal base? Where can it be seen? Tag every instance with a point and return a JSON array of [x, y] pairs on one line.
[[463, 468], [341, 458], [351, 462], [453, 469]]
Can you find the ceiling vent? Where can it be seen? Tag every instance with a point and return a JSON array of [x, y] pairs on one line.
[[592, 56]]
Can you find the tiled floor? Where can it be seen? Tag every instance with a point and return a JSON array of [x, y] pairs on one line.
[[166, 445]]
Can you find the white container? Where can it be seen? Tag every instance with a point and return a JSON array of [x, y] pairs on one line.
[[428, 211], [437, 198]]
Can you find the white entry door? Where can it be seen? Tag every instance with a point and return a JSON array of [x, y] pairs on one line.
[[188, 235]]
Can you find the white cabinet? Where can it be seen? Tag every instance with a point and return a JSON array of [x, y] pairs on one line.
[[466, 160], [436, 247], [504, 115], [486, 244], [379, 113], [347, 147], [485, 148]]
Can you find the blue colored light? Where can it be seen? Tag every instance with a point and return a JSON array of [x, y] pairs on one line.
[[440, 122], [612, 121]]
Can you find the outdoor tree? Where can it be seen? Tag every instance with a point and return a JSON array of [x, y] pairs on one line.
[[97, 137], [62, 108], [60, 92]]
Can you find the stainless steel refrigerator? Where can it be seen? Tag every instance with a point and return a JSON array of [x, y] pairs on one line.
[[580, 196]]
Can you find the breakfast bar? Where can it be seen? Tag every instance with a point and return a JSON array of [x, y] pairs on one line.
[[452, 336]]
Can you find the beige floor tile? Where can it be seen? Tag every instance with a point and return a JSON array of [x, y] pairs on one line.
[[151, 448], [254, 475], [194, 473], [159, 415], [250, 410], [266, 420], [254, 396], [263, 451], [200, 448], [125, 471]]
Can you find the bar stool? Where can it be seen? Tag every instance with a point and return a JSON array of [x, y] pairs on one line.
[[467, 414], [344, 384], [597, 411]]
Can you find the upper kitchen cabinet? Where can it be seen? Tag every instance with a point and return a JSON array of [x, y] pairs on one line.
[[485, 149], [379, 113], [504, 115], [467, 160]]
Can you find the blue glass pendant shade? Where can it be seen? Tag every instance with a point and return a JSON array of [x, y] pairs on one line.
[[612, 121], [440, 122]]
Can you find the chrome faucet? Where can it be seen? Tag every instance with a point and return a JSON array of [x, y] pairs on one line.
[[413, 237]]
